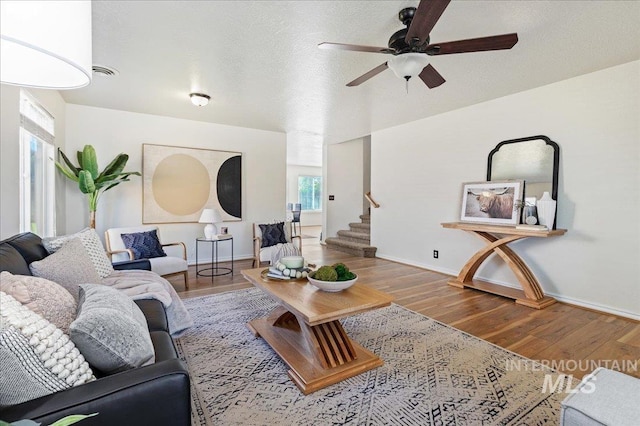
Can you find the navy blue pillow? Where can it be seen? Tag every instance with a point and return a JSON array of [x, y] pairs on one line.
[[144, 245], [272, 234]]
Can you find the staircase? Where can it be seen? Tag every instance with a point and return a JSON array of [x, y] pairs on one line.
[[355, 241]]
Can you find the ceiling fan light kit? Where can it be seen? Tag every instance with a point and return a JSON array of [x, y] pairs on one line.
[[411, 46], [408, 65], [199, 99]]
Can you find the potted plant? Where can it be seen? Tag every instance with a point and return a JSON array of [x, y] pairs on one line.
[[92, 182]]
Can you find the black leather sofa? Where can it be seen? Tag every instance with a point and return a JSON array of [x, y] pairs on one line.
[[156, 394]]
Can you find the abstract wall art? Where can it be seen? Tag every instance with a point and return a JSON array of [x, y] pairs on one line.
[[179, 182]]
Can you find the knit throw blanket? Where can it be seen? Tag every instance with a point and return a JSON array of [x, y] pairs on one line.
[[140, 284]]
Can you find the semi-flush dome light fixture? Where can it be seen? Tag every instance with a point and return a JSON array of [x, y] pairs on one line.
[[408, 65], [199, 99], [46, 44]]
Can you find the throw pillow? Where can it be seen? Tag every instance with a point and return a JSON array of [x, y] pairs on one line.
[[68, 267], [36, 358], [272, 234], [144, 245], [110, 330], [42, 296], [92, 244]]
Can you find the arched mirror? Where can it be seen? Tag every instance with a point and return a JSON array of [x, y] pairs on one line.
[[534, 159]]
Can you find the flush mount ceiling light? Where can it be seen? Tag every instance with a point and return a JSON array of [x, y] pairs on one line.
[[199, 99], [46, 44]]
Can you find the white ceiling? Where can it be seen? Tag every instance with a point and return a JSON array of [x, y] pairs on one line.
[[260, 63]]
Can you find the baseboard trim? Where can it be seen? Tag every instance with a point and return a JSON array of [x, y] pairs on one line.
[[561, 298]]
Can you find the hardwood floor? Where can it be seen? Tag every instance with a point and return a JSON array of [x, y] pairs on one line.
[[577, 340]]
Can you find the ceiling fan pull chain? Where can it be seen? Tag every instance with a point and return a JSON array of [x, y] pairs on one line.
[[406, 83]]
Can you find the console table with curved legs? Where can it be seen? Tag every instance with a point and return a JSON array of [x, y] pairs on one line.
[[496, 239]]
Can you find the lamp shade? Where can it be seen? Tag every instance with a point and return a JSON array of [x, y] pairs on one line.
[[210, 216], [408, 65], [46, 44]]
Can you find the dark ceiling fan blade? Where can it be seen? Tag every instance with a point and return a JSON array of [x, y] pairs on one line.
[[431, 77], [355, 48], [425, 18], [366, 76], [498, 42]]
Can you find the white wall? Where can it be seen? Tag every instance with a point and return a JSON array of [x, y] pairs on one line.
[[366, 172], [307, 218], [10, 154], [112, 132], [418, 169], [344, 176]]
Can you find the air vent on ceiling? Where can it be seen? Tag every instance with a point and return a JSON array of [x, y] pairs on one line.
[[105, 71]]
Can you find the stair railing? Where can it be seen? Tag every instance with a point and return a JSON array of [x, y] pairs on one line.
[[371, 201]]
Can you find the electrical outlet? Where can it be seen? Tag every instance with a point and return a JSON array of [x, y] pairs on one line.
[[435, 254]]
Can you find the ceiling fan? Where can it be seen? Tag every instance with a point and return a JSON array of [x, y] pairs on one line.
[[411, 49]]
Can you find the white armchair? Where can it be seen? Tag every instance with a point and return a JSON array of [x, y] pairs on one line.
[[166, 266], [267, 254]]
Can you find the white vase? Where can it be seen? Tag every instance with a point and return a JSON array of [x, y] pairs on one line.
[[546, 210]]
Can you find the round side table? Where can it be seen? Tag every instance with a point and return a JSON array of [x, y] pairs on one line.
[[214, 270]]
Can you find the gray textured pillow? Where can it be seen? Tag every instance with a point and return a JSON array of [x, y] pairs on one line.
[[24, 376], [42, 296], [36, 358], [68, 267], [110, 330], [91, 243]]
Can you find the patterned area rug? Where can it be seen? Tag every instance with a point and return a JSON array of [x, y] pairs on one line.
[[433, 374]]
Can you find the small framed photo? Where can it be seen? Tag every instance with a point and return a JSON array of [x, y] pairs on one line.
[[224, 230], [492, 202]]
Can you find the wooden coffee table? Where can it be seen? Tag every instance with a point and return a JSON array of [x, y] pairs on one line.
[[306, 333]]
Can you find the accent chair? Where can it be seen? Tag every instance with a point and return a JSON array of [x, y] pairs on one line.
[[162, 264], [274, 240]]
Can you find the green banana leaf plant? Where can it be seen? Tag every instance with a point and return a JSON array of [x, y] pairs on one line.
[[92, 182]]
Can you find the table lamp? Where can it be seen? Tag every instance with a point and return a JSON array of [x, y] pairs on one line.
[[210, 217]]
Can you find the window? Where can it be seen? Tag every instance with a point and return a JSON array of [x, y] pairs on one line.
[[310, 192], [37, 169]]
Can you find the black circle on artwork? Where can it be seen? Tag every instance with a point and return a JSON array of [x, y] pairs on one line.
[[229, 186]]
